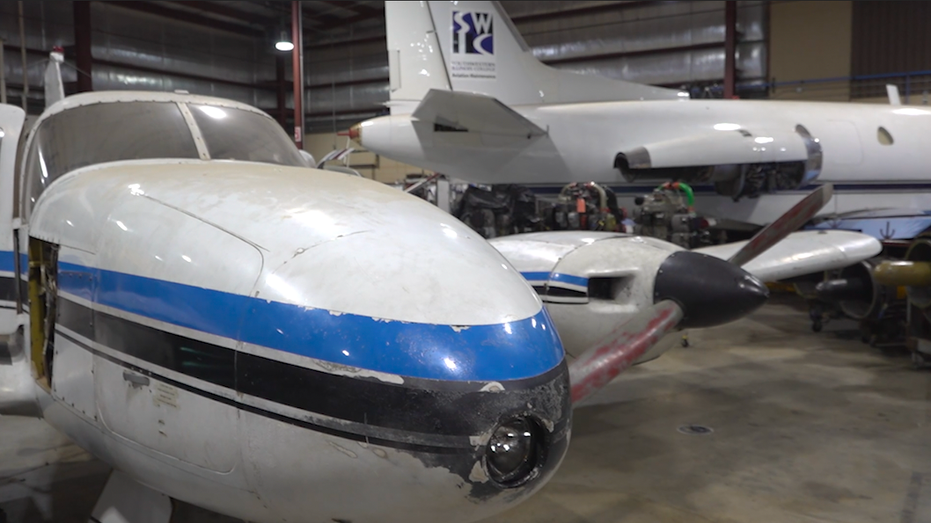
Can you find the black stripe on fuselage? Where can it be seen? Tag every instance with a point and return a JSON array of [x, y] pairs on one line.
[[422, 409], [7, 288], [267, 413]]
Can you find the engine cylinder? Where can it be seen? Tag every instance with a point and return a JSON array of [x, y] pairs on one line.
[[919, 253]]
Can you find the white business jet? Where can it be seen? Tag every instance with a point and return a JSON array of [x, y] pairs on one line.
[[469, 99]]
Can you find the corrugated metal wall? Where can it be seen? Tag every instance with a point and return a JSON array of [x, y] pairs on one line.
[[668, 43], [134, 50], [888, 38]]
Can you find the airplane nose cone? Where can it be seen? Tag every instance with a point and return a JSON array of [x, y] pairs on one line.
[[710, 291], [354, 133]]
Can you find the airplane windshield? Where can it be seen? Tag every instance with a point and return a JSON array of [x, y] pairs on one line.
[[109, 132], [234, 134]]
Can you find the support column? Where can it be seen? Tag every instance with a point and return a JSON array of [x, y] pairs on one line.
[[281, 87], [297, 56], [730, 48], [82, 45]]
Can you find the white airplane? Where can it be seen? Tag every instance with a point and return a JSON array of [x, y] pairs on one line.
[[226, 327], [469, 99]]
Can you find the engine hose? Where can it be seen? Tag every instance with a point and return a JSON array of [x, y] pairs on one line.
[[684, 187]]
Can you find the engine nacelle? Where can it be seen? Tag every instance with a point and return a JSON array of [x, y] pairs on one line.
[[738, 163], [856, 291]]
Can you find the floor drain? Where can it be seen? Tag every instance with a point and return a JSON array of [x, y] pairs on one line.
[[699, 430]]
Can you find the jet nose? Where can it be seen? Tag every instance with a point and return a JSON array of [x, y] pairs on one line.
[[354, 133], [710, 291]]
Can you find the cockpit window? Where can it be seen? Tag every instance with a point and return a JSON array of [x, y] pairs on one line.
[[104, 132], [234, 134]]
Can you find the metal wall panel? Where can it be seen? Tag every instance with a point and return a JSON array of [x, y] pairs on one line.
[[346, 63], [890, 37], [669, 42]]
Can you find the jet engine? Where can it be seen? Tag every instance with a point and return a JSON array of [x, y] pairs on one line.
[[857, 294], [739, 163]]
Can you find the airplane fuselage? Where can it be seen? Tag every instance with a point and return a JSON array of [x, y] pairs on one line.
[[229, 328], [582, 141]]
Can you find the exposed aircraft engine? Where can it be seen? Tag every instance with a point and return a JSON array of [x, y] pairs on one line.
[[878, 306], [586, 207], [668, 214], [737, 162]]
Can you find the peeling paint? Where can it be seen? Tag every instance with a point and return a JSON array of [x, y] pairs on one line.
[[459, 328], [492, 386], [478, 474], [356, 372], [345, 451], [336, 313]]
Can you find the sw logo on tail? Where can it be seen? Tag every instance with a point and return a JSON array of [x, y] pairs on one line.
[[473, 33]]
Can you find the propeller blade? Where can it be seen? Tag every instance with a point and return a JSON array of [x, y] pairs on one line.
[[597, 366], [784, 225]]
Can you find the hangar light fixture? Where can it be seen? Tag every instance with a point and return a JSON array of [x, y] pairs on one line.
[[284, 43]]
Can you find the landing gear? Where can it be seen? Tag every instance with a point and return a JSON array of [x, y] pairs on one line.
[[685, 341], [816, 314]]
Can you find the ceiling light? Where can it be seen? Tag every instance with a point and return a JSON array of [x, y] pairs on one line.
[[284, 43]]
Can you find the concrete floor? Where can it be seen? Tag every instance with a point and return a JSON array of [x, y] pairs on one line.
[[806, 428]]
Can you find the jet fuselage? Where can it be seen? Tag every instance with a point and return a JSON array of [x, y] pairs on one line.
[[582, 141]]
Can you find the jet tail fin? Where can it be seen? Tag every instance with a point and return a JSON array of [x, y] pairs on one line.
[[475, 47], [54, 87], [475, 113], [892, 91]]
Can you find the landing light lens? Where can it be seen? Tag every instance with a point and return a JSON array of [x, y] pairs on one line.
[[513, 454]]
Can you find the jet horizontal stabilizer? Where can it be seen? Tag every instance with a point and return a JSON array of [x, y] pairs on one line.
[[473, 112]]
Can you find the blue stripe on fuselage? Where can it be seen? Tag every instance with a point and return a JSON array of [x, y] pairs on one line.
[[6, 261], [499, 352], [555, 277]]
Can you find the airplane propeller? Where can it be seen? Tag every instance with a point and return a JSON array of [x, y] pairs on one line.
[[682, 300]]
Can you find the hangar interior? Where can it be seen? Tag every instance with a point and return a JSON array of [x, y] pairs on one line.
[[757, 420], [783, 50]]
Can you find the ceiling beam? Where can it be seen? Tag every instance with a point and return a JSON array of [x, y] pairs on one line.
[[189, 17], [589, 10], [228, 12]]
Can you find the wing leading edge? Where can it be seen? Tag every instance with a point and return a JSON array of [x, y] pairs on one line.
[[803, 252]]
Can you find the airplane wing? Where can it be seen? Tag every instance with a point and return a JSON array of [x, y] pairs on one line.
[[883, 224], [803, 252], [461, 111]]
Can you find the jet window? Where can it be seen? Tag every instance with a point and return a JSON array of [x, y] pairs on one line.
[[103, 132], [883, 136], [234, 134]]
